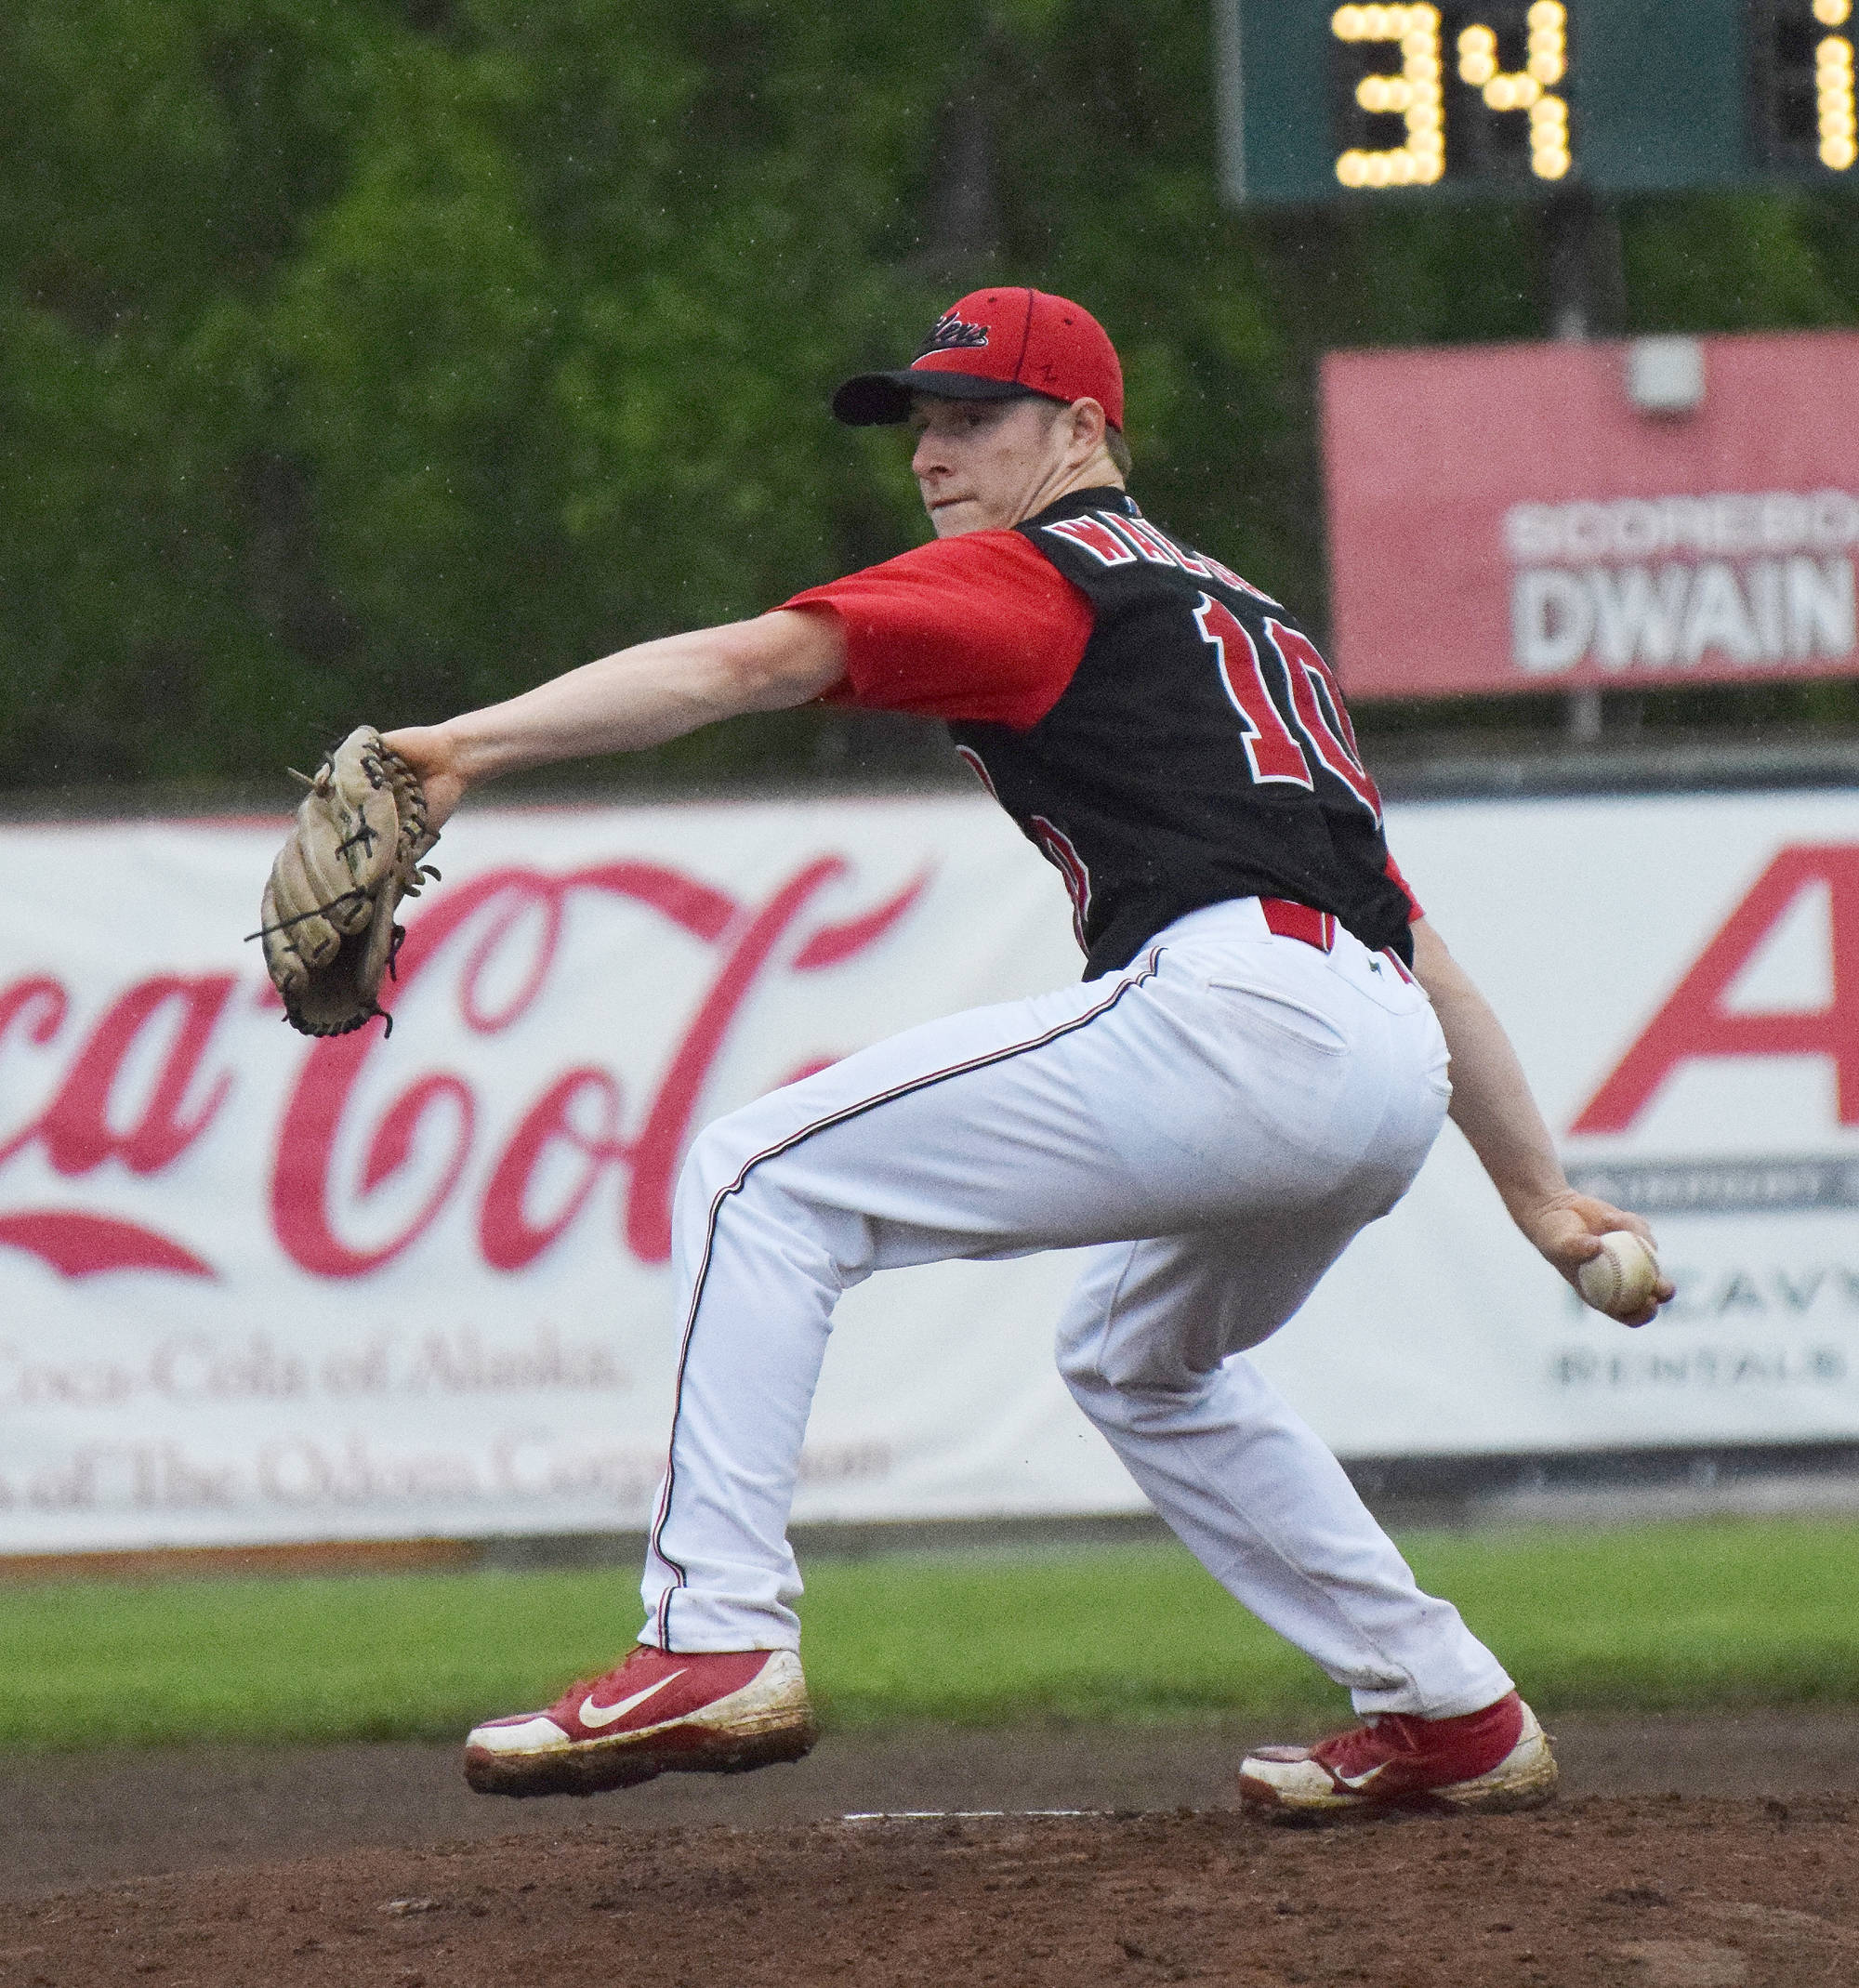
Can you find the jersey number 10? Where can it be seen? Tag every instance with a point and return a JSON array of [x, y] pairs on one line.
[[1273, 750]]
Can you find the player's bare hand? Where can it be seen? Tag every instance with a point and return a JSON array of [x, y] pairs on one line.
[[1568, 1230], [433, 754]]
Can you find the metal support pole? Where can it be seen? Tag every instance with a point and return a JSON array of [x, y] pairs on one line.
[[1581, 250], [1586, 288]]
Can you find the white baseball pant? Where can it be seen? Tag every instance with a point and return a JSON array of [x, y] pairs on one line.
[[1218, 1119]]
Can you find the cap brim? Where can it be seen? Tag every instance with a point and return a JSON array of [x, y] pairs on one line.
[[880, 400]]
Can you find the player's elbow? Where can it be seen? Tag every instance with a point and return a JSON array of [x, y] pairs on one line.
[[779, 659], [1434, 967]]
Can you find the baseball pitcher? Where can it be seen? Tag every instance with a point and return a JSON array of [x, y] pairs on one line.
[[1266, 1040]]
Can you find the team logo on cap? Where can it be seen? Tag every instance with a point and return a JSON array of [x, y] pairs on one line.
[[951, 334]]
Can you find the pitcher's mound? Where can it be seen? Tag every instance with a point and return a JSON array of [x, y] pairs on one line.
[[1671, 1892]]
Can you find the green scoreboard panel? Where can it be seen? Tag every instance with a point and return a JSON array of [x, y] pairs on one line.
[[1321, 102]]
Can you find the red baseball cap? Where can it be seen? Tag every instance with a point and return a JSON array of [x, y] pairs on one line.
[[997, 344]]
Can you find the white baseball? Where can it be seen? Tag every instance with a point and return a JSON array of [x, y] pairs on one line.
[[1619, 1280]]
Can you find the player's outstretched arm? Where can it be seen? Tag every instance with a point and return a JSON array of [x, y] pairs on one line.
[[1492, 1107], [638, 697]]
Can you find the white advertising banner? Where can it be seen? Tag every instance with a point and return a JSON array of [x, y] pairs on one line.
[[257, 1289], [1681, 976]]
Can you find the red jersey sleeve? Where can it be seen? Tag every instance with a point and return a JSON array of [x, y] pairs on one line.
[[1392, 870], [982, 627]]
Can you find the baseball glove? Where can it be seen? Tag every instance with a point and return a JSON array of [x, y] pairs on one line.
[[328, 912]]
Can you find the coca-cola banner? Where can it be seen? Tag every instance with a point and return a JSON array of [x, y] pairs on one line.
[[253, 1288], [1620, 515]]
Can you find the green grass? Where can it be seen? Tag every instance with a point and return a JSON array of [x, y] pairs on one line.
[[1720, 1613]]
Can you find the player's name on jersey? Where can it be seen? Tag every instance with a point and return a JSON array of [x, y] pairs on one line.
[[1114, 538]]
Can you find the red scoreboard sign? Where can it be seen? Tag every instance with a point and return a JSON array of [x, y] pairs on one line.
[[1555, 517]]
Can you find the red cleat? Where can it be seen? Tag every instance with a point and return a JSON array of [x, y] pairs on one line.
[[715, 1712], [1495, 1760]]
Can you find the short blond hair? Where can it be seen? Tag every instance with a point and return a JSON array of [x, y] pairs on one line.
[[1116, 447]]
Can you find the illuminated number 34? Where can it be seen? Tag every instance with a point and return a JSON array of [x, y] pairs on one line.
[[1415, 93]]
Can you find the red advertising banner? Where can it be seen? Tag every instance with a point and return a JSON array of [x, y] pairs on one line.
[[1552, 517]]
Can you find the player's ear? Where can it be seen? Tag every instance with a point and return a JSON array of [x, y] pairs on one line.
[[1087, 424]]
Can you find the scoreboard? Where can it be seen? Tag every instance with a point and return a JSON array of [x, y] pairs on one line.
[[1512, 97]]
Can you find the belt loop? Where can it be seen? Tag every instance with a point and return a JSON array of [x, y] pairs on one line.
[[1287, 920]]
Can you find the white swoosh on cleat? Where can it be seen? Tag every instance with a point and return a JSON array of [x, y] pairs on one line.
[[1356, 1782], [598, 1716]]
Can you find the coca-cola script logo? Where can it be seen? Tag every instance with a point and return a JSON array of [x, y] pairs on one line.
[[490, 943]]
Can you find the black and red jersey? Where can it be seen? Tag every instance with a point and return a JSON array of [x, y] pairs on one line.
[[1165, 732]]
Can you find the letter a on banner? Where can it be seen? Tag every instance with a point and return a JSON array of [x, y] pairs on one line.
[[1695, 1024]]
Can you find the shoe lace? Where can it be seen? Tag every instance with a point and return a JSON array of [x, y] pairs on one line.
[[1383, 1739]]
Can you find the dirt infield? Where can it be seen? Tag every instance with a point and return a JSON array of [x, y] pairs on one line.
[[1687, 1854], [1671, 1892]]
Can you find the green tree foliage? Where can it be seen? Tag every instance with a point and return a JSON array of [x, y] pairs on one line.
[[375, 356]]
